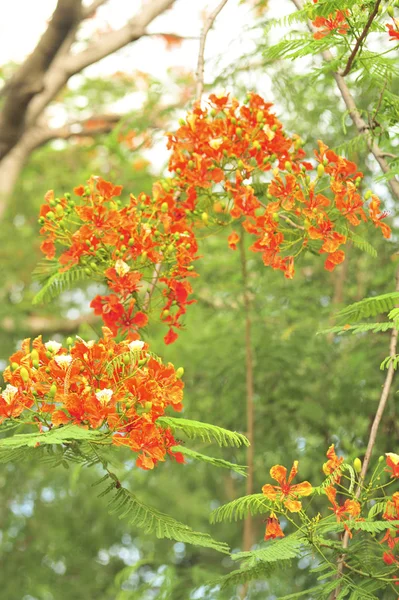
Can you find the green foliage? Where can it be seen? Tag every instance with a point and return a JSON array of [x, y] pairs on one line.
[[126, 505], [204, 431], [240, 508], [58, 282], [216, 462]]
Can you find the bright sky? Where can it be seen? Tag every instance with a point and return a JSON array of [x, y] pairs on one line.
[[19, 36]]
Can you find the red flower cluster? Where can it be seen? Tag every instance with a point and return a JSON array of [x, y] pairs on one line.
[[215, 155], [217, 151], [124, 244], [334, 23], [119, 388]]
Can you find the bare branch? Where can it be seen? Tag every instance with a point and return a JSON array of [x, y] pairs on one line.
[[115, 40], [89, 11], [28, 81], [354, 113], [201, 60], [71, 64]]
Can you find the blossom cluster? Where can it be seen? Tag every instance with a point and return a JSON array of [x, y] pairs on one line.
[[119, 388], [285, 499], [218, 154], [125, 244]]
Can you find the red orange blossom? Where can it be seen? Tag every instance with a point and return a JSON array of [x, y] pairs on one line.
[[286, 493], [119, 388]]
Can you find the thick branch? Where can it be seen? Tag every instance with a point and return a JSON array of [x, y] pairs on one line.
[[109, 43], [354, 113], [28, 81], [201, 60]]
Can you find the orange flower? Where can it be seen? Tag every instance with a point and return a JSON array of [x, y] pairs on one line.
[[392, 462], [350, 508], [333, 24], [285, 492], [233, 240], [333, 465], [273, 529], [393, 32]]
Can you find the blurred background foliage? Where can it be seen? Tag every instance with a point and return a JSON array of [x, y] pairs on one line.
[[56, 540]]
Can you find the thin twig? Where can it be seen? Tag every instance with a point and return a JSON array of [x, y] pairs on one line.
[[201, 60], [249, 378], [355, 114], [152, 286], [361, 39], [288, 220]]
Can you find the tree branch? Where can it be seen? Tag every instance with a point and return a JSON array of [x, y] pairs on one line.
[[201, 59], [249, 380], [373, 435], [90, 10], [71, 64], [28, 81], [361, 38], [354, 113]]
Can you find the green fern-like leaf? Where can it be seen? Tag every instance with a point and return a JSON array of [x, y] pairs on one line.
[[359, 328], [204, 431], [238, 509], [58, 435], [276, 550], [59, 282], [369, 307], [246, 574], [216, 462], [127, 506]]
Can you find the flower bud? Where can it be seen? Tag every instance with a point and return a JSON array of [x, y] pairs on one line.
[[24, 374], [52, 391], [205, 218], [288, 166], [164, 207], [34, 354], [357, 465], [179, 373], [367, 195], [69, 341], [390, 11], [126, 359], [320, 170], [14, 366]]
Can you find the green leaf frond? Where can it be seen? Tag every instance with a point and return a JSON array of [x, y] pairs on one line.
[[259, 570], [276, 550], [57, 283], [204, 431], [369, 307], [216, 462], [126, 505], [254, 504], [359, 328]]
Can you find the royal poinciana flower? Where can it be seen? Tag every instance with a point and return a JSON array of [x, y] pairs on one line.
[[273, 529], [393, 30], [349, 509], [392, 462], [335, 23], [286, 492], [116, 387], [332, 467]]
